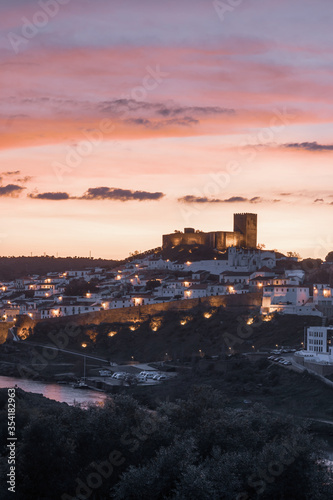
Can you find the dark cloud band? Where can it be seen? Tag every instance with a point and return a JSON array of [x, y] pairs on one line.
[[309, 146], [11, 190], [117, 194], [50, 196], [233, 199], [101, 193]]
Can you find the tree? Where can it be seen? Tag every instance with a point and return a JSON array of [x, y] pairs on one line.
[[152, 284], [79, 287], [329, 257], [309, 265], [293, 255]]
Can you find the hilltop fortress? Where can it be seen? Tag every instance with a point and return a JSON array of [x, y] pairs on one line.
[[244, 235]]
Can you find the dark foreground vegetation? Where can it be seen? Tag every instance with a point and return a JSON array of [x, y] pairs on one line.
[[192, 448]]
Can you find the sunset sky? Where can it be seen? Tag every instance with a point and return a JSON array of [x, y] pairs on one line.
[[122, 120]]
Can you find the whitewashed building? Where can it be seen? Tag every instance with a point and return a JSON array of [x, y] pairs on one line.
[[317, 354], [288, 299]]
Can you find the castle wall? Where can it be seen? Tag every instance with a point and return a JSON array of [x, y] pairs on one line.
[[4, 330], [243, 235], [128, 314], [215, 239], [175, 239]]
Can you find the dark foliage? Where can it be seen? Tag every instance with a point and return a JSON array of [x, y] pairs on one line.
[[197, 448]]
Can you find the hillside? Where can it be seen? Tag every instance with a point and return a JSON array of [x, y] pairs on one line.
[[16, 267], [181, 334]]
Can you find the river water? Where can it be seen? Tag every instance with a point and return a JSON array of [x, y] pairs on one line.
[[61, 393]]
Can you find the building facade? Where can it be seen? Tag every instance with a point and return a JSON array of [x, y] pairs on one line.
[[317, 354]]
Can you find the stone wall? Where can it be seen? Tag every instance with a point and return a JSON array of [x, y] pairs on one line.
[[243, 235], [177, 239], [4, 329], [128, 314], [323, 370]]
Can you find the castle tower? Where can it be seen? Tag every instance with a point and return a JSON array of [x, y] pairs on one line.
[[246, 224]]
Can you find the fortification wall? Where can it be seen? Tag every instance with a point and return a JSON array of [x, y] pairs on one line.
[[176, 239], [4, 329], [128, 314], [323, 370], [226, 239], [243, 235]]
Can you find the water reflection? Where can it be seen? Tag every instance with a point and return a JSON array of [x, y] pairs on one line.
[[61, 393]]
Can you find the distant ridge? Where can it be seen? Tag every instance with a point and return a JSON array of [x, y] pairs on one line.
[[17, 267]]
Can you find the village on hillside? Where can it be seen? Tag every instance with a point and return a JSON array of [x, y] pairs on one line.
[[152, 280], [279, 282]]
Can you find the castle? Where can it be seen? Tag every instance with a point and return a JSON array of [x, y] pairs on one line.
[[244, 235]]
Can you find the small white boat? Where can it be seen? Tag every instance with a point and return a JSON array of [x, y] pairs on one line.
[[81, 384]]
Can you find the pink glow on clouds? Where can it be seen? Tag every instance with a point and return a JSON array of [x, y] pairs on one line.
[[226, 84]]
